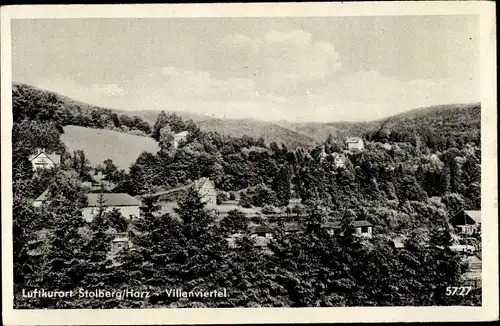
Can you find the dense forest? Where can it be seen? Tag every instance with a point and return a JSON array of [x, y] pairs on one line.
[[415, 172]]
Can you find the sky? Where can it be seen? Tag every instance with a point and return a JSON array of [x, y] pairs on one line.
[[275, 68]]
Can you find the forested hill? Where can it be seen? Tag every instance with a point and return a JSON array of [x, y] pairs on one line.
[[445, 123], [38, 104], [438, 126]]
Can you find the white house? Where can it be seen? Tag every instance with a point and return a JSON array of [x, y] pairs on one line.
[[180, 137], [120, 242], [355, 143], [206, 190], [339, 160], [42, 199], [43, 160], [126, 204]]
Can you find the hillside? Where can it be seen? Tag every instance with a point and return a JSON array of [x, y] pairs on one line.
[[102, 144], [238, 127], [29, 101], [443, 120], [254, 128]]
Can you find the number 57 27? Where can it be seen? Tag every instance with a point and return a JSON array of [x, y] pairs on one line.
[[458, 290]]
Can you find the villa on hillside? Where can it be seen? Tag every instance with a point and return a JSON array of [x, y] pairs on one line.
[[126, 204], [179, 138], [355, 143], [206, 189], [338, 159], [468, 222], [44, 160]]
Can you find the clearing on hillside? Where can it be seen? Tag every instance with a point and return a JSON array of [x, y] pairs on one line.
[[102, 144]]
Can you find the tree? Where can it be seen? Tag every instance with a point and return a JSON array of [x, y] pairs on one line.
[[166, 138], [347, 230], [101, 204], [81, 165], [192, 212], [281, 185], [110, 171], [161, 122], [234, 222], [114, 219], [64, 263], [149, 206]]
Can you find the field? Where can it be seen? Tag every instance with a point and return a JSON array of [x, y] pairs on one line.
[[102, 144]]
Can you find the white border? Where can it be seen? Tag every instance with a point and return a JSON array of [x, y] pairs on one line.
[[489, 310]]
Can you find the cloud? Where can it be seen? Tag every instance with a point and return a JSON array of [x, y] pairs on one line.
[[283, 62], [71, 88], [357, 96], [201, 85]]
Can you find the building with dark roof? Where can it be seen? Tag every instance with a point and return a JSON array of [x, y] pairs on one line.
[[127, 205], [467, 222]]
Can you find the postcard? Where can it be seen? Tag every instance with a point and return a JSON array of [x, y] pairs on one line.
[[249, 163]]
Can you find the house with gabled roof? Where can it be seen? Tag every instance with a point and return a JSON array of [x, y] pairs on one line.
[[338, 159], [206, 189], [43, 160], [355, 143], [127, 205], [467, 221], [42, 199]]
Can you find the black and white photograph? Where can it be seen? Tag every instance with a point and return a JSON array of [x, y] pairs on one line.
[[231, 161]]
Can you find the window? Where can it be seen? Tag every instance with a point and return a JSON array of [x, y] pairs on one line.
[[364, 229], [119, 245]]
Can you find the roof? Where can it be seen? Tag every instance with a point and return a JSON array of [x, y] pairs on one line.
[[121, 239], [53, 157], [230, 202], [44, 196], [181, 134], [353, 139], [336, 224], [261, 228], [200, 182], [112, 199], [339, 155], [475, 215]]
